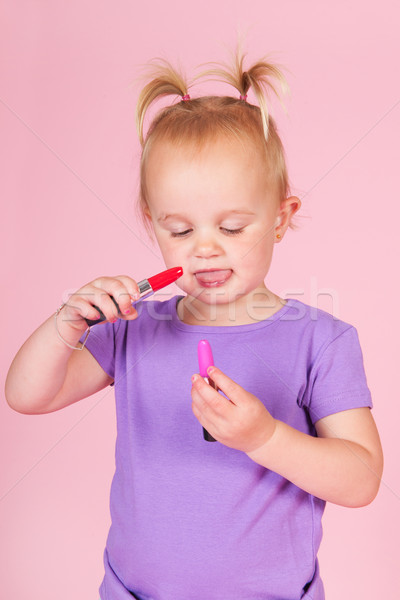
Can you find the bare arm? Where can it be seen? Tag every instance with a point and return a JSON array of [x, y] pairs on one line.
[[46, 374], [342, 465]]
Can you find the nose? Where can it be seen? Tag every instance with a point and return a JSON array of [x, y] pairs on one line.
[[206, 245]]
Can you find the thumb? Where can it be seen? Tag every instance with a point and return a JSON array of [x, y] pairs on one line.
[[230, 388]]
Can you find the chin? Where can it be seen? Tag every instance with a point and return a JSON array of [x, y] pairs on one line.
[[218, 295]]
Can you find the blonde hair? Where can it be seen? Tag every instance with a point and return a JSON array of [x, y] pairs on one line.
[[196, 121]]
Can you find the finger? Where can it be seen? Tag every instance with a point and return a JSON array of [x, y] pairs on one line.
[[111, 296], [200, 396], [208, 424], [105, 302], [122, 289], [94, 297], [77, 309], [205, 413], [230, 388], [130, 285], [208, 400], [126, 295]]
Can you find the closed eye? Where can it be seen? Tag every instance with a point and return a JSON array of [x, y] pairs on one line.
[[224, 229], [180, 233], [232, 231]]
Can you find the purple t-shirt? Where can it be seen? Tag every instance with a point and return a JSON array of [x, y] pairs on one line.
[[195, 520]]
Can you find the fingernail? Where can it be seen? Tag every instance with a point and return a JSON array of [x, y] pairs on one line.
[[194, 378], [210, 370], [126, 312], [135, 296]]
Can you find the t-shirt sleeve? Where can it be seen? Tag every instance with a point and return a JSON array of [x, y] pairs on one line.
[[337, 379], [101, 344]]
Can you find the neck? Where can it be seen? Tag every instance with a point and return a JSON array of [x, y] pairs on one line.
[[257, 306]]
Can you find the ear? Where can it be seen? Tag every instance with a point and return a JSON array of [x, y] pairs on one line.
[[287, 210], [145, 216], [146, 212]]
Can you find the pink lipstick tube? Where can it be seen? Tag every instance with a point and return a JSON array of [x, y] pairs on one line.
[[206, 360], [147, 287]]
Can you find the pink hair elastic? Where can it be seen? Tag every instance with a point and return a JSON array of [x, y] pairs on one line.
[[185, 97], [243, 97]]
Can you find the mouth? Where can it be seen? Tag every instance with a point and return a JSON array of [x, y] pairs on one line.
[[213, 277]]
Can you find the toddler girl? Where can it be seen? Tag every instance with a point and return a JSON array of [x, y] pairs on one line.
[[239, 518]]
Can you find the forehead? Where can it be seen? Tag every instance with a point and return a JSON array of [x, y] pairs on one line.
[[219, 182], [165, 217], [199, 150], [216, 167]]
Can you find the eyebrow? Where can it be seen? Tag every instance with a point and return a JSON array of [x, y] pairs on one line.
[[238, 211]]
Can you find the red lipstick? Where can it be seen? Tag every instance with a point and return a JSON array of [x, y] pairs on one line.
[[147, 287], [162, 279]]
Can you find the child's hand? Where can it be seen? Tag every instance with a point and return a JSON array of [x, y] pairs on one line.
[[242, 422], [80, 305]]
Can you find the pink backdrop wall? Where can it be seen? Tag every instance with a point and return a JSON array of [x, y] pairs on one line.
[[69, 158]]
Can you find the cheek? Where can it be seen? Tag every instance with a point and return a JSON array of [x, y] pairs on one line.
[[256, 256], [163, 239], [172, 252]]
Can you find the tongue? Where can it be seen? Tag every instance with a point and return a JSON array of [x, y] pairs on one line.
[[213, 276]]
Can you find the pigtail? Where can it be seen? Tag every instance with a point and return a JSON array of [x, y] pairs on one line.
[[259, 77], [191, 125], [165, 80]]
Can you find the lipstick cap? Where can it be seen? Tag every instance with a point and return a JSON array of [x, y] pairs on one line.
[[205, 357], [206, 360]]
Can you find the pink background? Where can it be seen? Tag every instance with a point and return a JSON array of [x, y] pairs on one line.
[[69, 179]]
